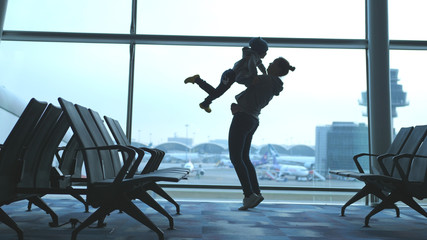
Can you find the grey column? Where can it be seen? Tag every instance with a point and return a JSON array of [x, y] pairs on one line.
[[131, 72], [3, 6], [379, 107]]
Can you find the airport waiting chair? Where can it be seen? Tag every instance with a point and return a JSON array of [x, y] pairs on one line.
[[52, 180], [49, 179], [100, 136], [120, 137], [61, 180], [408, 183], [105, 193], [153, 163], [38, 175], [406, 141], [11, 166]]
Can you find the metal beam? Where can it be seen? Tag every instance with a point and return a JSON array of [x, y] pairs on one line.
[[179, 40], [408, 45], [202, 40], [3, 6]]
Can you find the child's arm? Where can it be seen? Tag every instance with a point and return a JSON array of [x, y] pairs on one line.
[[261, 67], [252, 65]]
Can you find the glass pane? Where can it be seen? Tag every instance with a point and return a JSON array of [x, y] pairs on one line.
[[324, 92], [100, 16], [269, 18], [406, 19], [93, 75], [8, 120], [407, 67], [408, 95]]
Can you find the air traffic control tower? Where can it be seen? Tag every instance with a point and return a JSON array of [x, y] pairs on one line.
[[398, 96]]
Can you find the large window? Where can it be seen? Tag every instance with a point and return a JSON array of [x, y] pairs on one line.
[[408, 67], [406, 19], [325, 89], [94, 75], [272, 18], [99, 16], [309, 125]]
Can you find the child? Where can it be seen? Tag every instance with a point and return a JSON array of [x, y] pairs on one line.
[[243, 72]]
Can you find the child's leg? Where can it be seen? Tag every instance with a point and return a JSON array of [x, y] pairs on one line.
[[227, 79], [202, 83]]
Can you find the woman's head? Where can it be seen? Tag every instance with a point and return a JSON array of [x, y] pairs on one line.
[[280, 67]]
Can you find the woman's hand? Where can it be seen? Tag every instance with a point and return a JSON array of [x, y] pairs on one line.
[[234, 108]]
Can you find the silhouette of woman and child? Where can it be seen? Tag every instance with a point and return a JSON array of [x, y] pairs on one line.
[[260, 89]]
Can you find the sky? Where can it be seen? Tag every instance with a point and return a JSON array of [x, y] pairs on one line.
[[325, 87]]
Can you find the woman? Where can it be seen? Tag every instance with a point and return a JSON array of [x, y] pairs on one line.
[[245, 122]]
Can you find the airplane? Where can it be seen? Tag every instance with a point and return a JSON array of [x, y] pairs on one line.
[[279, 171], [225, 161], [187, 158], [199, 171], [180, 156], [270, 168], [306, 161], [262, 161]]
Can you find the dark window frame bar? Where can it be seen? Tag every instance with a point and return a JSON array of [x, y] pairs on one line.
[[235, 187]]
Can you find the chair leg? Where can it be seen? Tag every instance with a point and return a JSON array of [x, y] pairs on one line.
[[121, 202], [80, 199], [100, 213], [4, 218], [157, 189], [29, 206], [377, 192], [389, 200], [414, 205], [147, 199], [101, 222], [129, 208], [360, 194], [42, 205]]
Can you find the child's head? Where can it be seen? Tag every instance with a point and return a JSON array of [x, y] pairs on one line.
[[259, 45], [280, 67]]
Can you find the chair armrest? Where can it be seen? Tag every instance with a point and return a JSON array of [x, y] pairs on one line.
[[399, 167], [381, 158], [356, 160], [126, 162], [137, 162], [150, 150], [152, 162]]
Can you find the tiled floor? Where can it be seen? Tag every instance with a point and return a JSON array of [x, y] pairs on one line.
[[217, 221]]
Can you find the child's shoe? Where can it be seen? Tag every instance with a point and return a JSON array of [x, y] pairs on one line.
[[205, 107], [191, 79]]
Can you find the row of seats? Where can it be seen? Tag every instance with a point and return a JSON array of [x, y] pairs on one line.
[[400, 175], [111, 163]]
